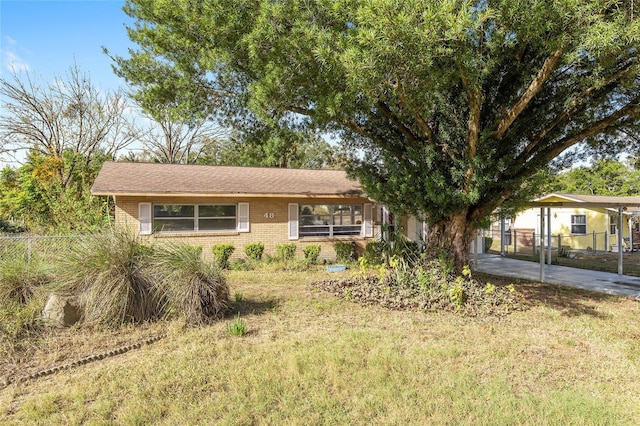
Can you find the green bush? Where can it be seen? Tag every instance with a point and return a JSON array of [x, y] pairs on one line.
[[343, 250], [373, 252], [311, 253], [286, 251], [254, 251], [222, 253], [190, 286], [488, 241]]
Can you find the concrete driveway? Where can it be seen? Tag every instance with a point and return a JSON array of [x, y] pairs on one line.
[[604, 282]]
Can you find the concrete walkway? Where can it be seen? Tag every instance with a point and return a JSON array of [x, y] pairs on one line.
[[604, 282]]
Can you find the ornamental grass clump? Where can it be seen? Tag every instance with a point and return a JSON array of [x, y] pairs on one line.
[[191, 286], [20, 279], [109, 275]]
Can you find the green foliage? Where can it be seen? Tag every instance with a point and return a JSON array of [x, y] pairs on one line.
[[222, 253], [488, 241], [189, 285], [34, 195], [373, 252], [238, 297], [446, 109], [254, 251], [604, 177], [237, 328], [286, 251], [343, 250], [311, 253]]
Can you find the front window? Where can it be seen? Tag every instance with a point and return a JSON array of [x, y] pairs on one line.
[[189, 218], [330, 220], [579, 224]]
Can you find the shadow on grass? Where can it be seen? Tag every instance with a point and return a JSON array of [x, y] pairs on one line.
[[253, 307], [571, 302]]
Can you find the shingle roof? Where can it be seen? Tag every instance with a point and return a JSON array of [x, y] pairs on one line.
[[117, 178], [588, 201]]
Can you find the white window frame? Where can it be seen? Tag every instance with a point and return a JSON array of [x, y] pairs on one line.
[[196, 218], [575, 223], [333, 229]]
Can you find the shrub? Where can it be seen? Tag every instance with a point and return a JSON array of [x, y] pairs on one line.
[[373, 252], [343, 250], [286, 251], [311, 253], [109, 275], [21, 279], [488, 241], [254, 251], [222, 253], [190, 285]]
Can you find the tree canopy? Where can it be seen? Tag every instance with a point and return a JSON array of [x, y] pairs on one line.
[[448, 108]]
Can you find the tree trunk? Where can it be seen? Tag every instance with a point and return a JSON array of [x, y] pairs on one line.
[[453, 235]]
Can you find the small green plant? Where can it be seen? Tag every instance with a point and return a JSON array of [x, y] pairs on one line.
[[254, 251], [343, 250], [238, 327], [222, 253], [311, 253], [238, 297], [286, 251]]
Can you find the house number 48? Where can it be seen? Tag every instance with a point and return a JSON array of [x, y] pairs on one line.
[[269, 215]]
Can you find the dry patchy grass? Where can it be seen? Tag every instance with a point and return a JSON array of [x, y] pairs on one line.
[[572, 357]]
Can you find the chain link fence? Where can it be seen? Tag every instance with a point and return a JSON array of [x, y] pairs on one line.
[[31, 247]]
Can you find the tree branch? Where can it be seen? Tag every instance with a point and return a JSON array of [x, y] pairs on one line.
[[422, 124], [536, 85], [386, 111]]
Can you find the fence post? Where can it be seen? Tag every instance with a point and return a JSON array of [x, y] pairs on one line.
[[534, 244], [515, 238], [559, 244], [595, 251]]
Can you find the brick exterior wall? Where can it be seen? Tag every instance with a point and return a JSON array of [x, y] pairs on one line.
[[268, 223]]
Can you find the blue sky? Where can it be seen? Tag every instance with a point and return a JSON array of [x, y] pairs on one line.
[[45, 38]]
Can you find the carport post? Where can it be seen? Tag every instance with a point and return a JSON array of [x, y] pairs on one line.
[[541, 244], [549, 243], [502, 232], [620, 246]]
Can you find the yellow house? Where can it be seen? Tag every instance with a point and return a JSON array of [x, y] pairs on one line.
[[593, 227]]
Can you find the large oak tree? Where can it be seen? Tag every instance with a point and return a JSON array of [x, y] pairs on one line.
[[448, 107]]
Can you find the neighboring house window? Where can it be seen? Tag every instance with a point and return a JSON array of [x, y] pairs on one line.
[[330, 220], [613, 228], [578, 224], [189, 218]]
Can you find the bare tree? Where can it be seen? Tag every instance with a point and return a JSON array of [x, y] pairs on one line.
[[173, 140], [67, 115]]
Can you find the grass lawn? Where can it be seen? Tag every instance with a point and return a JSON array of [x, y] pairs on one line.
[[572, 357]]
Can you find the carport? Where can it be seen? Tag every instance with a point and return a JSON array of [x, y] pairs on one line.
[[622, 204]]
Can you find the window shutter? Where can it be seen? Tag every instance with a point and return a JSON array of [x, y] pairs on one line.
[[293, 221], [243, 217], [368, 220], [144, 217]]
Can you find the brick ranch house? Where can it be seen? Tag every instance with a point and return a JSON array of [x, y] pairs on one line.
[[207, 205]]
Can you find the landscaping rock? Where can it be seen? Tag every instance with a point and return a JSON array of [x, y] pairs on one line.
[[60, 311]]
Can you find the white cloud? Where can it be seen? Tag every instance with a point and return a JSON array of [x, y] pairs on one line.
[[11, 59]]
